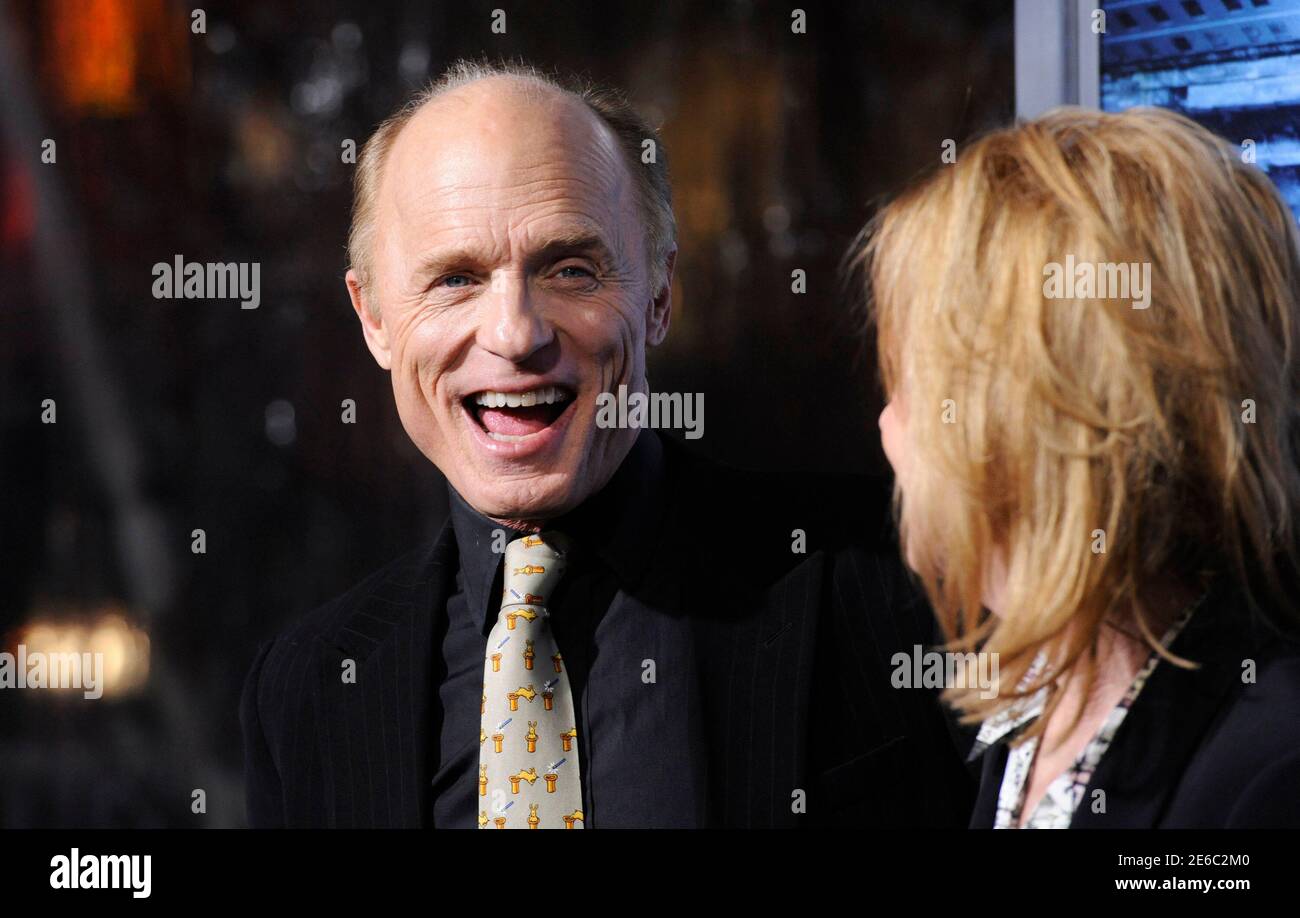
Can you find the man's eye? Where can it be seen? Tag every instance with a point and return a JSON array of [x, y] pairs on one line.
[[456, 280], [573, 271]]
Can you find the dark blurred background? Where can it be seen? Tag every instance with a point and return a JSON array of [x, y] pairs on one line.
[[177, 415]]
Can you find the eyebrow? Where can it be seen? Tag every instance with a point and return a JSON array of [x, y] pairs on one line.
[[578, 241]]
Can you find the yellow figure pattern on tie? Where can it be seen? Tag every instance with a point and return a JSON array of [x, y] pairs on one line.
[[533, 759], [525, 614], [530, 776]]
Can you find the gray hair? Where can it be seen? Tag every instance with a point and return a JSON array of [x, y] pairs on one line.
[[609, 105]]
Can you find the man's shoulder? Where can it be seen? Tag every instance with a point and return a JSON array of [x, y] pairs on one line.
[[818, 511], [392, 583], [1263, 702]]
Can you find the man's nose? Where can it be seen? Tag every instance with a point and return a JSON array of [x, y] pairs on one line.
[[513, 327]]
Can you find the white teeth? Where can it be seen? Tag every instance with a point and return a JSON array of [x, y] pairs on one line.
[[505, 438], [547, 395]]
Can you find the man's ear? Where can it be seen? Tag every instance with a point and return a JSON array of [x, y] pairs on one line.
[[372, 324], [660, 312]]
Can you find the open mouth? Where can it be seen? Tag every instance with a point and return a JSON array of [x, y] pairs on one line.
[[513, 416]]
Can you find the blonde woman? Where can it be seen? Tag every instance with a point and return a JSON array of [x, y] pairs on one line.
[[1087, 330]]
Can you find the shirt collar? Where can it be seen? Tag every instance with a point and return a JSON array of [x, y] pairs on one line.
[[1022, 713], [1012, 718], [479, 556], [619, 525]]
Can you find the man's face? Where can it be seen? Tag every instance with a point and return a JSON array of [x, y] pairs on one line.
[[510, 276]]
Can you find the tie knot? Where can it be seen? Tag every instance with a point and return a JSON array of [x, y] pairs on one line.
[[534, 565]]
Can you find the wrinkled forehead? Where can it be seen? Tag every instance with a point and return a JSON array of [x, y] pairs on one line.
[[497, 158]]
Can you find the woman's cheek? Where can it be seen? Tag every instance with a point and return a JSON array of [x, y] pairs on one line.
[[891, 438]]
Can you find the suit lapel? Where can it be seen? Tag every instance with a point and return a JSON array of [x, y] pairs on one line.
[[993, 764], [377, 734]]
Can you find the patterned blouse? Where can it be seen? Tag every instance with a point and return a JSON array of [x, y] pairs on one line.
[[1056, 808]]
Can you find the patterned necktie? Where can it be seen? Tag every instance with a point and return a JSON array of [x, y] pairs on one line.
[[528, 752]]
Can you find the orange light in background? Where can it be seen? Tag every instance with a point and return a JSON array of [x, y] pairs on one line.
[[95, 53], [125, 647], [102, 51]]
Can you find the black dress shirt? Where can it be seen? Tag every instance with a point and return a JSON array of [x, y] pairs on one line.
[[630, 665]]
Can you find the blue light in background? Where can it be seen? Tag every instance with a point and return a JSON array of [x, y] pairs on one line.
[[1232, 65]]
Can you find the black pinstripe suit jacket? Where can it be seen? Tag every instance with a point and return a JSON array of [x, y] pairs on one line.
[[802, 725]]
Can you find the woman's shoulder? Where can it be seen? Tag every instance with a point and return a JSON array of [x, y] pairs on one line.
[[1268, 694], [1249, 757]]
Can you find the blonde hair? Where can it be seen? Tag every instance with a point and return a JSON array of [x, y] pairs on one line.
[[1070, 415], [650, 179]]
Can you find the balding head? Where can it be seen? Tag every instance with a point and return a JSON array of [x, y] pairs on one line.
[[483, 83]]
